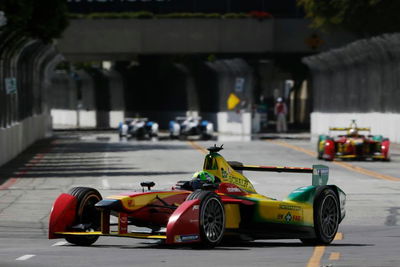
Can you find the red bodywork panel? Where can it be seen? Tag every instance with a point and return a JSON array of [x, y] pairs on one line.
[[231, 189], [184, 225], [62, 214], [357, 147], [385, 148], [329, 150], [156, 213]]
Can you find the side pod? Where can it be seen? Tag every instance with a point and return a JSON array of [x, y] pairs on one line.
[[62, 214], [183, 225]]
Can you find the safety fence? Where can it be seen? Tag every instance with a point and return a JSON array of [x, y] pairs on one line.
[[25, 66], [363, 76]]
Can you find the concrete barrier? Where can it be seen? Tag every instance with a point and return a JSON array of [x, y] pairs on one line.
[[19, 136], [68, 118]]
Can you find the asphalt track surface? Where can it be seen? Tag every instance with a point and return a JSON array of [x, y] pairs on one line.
[[369, 235]]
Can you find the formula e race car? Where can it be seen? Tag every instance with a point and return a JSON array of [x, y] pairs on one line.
[[219, 202], [140, 128], [191, 126], [353, 145]]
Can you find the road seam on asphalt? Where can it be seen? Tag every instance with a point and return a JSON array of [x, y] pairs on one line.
[[348, 166]]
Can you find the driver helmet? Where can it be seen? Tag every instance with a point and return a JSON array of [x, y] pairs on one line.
[[353, 132], [204, 176], [201, 178]]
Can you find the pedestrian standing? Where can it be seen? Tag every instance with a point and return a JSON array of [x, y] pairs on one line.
[[280, 113]]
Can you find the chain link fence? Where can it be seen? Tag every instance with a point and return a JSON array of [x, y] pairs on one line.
[[363, 76]]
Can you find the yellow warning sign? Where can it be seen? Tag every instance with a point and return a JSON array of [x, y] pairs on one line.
[[232, 102]]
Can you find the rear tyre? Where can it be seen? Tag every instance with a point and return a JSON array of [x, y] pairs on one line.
[[326, 217], [87, 216], [212, 217]]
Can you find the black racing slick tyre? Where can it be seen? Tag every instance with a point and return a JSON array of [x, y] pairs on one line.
[[212, 217], [88, 218], [326, 217]]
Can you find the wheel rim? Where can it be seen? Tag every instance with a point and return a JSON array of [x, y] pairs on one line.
[[213, 220], [329, 216]]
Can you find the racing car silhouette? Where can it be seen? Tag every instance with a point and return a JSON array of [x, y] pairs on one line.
[[353, 145], [219, 202], [141, 128], [191, 126]]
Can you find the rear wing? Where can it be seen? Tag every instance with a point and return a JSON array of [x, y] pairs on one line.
[[320, 173], [348, 128]]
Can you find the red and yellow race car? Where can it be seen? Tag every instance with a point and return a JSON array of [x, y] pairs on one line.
[[219, 202], [353, 145]]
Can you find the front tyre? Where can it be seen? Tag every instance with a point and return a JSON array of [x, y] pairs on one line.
[[88, 218], [212, 217], [326, 218]]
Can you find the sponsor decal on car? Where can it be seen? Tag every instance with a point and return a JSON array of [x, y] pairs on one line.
[[290, 207], [324, 171], [233, 189], [288, 217], [186, 238]]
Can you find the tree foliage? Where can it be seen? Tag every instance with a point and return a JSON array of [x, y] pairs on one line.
[[39, 19], [363, 17]]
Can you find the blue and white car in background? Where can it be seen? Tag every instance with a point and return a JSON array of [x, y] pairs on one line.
[[140, 128], [183, 127]]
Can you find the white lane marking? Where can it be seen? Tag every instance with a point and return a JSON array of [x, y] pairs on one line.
[[60, 243], [25, 257], [105, 183]]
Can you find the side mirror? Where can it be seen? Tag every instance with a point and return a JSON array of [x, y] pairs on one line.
[[149, 185]]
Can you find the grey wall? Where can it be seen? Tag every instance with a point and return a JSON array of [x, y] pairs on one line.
[[122, 39], [117, 101], [63, 94], [87, 90], [360, 77]]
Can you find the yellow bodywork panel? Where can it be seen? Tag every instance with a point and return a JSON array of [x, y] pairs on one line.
[[288, 212], [232, 215], [217, 165]]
